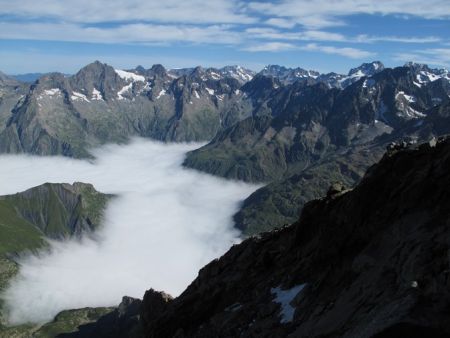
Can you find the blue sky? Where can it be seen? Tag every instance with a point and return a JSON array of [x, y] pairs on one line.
[[324, 35]]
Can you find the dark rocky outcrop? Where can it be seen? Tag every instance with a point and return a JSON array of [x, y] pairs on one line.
[[370, 262], [122, 322]]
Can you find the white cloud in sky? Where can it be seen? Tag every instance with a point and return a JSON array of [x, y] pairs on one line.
[[439, 57], [282, 23], [129, 33], [309, 35], [353, 53], [270, 47], [363, 38], [166, 223], [326, 13], [320, 35], [279, 25], [93, 11]]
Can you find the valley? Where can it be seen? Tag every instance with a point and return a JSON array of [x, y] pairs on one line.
[[147, 143]]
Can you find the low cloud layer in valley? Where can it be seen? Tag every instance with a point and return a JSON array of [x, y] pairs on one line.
[[165, 224]]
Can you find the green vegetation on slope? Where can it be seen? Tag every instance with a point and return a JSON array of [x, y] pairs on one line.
[[55, 211], [280, 202], [69, 321]]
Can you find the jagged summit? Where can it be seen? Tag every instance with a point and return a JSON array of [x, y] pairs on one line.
[[367, 69], [193, 104], [333, 80]]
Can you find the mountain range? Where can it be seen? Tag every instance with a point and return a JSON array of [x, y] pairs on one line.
[[296, 129], [303, 137], [298, 132]]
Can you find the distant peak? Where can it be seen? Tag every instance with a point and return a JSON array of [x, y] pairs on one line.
[[159, 69], [367, 69], [96, 65], [140, 69], [198, 70]]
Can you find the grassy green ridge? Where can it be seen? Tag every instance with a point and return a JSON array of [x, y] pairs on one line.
[[52, 210], [65, 322], [27, 219], [280, 202]]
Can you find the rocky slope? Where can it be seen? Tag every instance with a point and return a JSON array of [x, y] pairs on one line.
[[367, 262], [306, 136], [11, 92], [297, 125], [280, 202]]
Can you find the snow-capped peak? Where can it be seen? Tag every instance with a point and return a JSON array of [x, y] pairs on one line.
[[237, 72], [288, 75], [424, 74], [366, 69]]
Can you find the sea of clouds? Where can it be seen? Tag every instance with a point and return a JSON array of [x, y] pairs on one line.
[[165, 224]]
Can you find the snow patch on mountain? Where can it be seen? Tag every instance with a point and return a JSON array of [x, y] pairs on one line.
[[129, 76], [124, 90], [409, 98], [161, 93], [79, 96], [52, 92], [97, 95], [285, 298]]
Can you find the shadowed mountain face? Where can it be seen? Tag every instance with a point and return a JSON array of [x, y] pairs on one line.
[[367, 262]]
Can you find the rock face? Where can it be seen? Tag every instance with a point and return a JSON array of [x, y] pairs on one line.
[[370, 262]]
